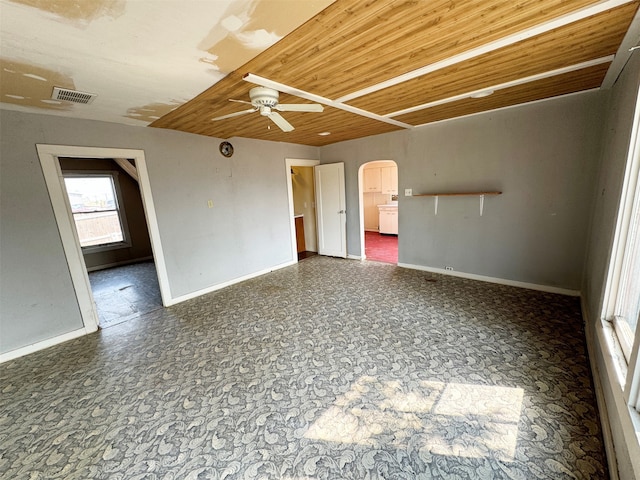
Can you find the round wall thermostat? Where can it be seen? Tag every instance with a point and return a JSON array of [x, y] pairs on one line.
[[226, 149]]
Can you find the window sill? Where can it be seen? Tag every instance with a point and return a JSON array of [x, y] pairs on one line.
[[621, 417], [614, 348], [104, 248]]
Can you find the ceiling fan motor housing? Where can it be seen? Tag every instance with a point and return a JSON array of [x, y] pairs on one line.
[[263, 97]]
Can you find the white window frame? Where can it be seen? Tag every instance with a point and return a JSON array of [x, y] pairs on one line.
[[124, 226], [628, 214], [629, 252]]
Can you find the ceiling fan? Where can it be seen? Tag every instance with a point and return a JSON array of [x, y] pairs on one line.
[[265, 101]]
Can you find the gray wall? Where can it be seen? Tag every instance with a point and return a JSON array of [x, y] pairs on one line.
[[138, 239], [617, 127], [247, 230], [543, 157], [37, 300]]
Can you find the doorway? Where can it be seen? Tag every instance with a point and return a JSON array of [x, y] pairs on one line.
[[109, 219], [378, 193], [302, 207], [50, 156]]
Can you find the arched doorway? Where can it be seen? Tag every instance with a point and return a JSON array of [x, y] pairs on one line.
[[378, 185]]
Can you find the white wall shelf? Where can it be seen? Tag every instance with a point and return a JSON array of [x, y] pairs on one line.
[[436, 196]]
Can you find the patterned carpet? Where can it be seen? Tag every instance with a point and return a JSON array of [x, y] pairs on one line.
[[329, 369], [381, 248]]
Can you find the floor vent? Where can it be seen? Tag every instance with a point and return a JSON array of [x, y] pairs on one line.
[[72, 95]]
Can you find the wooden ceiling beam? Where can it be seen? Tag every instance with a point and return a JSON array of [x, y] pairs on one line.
[[494, 88], [595, 37], [536, 30], [571, 82], [354, 44], [387, 39]]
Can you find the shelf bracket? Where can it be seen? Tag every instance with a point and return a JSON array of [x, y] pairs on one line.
[[456, 194]]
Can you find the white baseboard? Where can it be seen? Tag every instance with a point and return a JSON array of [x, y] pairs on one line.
[[213, 288], [118, 264], [500, 281], [50, 342], [19, 352], [354, 257]]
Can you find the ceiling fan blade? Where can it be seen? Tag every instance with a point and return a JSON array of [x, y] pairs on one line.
[[240, 101], [280, 122], [236, 114], [299, 107]]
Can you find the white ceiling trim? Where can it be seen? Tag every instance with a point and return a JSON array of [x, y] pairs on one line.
[[281, 87], [508, 107], [631, 39], [490, 47], [501, 86]]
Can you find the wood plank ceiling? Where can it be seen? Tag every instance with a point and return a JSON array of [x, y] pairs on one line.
[[380, 66]]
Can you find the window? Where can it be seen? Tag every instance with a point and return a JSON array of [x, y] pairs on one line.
[[94, 200], [622, 305], [627, 303]]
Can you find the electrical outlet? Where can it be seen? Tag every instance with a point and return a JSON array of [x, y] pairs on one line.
[[448, 268], [408, 192]]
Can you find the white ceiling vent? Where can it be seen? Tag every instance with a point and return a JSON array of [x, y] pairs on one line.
[[72, 95]]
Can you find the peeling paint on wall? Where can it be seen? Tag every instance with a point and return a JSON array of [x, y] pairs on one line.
[[83, 10], [153, 111], [30, 85], [141, 57], [230, 54], [284, 16], [254, 26]]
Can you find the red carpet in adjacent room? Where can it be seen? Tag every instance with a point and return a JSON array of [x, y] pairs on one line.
[[381, 248]]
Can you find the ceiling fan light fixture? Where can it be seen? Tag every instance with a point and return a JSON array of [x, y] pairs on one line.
[[264, 97], [265, 101], [482, 94]]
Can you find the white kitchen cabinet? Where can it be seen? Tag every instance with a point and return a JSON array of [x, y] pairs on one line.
[[389, 180], [372, 180], [388, 219], [370, 203]]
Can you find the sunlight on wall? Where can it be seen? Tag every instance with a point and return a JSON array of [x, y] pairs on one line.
[[453, 419]]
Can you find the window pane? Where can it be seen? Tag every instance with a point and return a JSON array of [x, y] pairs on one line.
[[98, 228], [95, 209], [632, 296], [90, 194], [628, 301]]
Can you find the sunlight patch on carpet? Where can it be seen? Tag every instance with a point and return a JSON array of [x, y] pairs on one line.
[[452, 419]]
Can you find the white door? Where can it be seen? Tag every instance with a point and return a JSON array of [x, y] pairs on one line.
[[330, 210]]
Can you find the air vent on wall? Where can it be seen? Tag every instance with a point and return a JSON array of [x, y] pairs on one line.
[[72, 95]]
